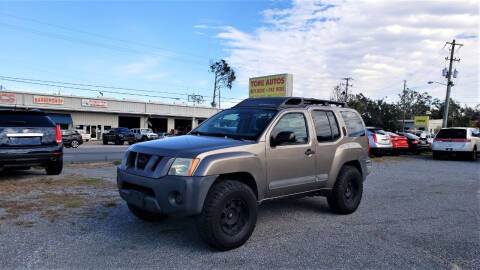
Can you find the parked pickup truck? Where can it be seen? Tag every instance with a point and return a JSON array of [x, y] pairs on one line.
[[118, 136], [259, 150], [30, 138]]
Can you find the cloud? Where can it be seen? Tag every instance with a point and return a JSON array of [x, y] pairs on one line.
[[378, 43], [146, 67]]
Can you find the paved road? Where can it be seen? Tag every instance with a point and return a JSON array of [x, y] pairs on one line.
[[416, 213], [94, 152]]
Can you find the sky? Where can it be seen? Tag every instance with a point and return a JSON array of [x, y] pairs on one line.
[[165, 47]]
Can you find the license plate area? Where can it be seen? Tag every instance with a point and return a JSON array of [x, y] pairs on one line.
[[15, 141], [136, 198]]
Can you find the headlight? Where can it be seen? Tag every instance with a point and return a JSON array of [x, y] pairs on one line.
[[183, 166]]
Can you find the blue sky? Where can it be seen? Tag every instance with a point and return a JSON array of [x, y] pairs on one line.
[[166, 46]]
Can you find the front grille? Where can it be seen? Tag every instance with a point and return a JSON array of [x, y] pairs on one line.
[[141, 161]]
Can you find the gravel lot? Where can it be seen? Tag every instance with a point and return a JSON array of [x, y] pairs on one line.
[[416, 213]]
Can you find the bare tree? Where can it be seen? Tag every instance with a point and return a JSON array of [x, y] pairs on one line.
[[224, 77]]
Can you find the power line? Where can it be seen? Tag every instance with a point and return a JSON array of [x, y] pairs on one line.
[[75, 86], [91, 43], [97, 35]]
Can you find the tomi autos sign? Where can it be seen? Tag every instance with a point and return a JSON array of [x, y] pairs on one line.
[[7, 98], [48, 100], [94, 103], [280, 85]]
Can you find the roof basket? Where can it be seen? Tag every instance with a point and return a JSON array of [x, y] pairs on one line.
[[287, 102]]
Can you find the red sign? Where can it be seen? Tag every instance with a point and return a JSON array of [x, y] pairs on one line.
[[7, 98], [47, 100]]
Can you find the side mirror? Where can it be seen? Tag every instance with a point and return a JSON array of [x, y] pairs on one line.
[[283, 137]]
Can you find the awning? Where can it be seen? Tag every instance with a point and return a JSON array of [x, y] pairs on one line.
[[60, 119]]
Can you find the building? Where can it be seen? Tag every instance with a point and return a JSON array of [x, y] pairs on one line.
[[434, 125], [96, 115]]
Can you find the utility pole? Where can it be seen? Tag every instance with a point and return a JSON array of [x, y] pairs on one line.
[[449, 82], [403, 101], [346, 87]]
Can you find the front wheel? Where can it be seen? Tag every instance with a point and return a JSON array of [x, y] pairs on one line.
[[229, 215], [347, 191]]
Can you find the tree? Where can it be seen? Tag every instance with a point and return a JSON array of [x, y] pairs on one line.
[[224, 77], [376, 113]]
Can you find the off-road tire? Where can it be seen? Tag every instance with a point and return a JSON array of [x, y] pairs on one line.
[[74, 143], [55, 168], [118, 142], [347, 191], [435, 155], [105, 142], [229, 215], [145, 215]]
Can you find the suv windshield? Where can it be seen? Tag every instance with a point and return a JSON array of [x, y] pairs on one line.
[[452, 133], [237, 123]]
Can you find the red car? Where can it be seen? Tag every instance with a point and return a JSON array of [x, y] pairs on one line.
[[400, 143]]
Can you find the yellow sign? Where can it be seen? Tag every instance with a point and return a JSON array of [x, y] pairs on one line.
[[270, 86], [422, 120]]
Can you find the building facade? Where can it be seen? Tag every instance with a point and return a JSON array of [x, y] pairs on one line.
[[96, 115]]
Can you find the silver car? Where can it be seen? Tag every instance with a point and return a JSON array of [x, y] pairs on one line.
[[379, 140], [458, 141]]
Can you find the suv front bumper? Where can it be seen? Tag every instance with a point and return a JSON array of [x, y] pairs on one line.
[[171, 195]]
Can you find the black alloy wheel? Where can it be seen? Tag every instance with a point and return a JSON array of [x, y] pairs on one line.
[[234, 216]]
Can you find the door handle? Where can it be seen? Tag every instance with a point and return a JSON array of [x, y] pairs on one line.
[[309, 152]]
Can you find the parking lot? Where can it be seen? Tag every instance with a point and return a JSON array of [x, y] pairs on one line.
[[416, 213]]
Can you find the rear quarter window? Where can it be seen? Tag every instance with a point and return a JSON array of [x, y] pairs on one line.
[[354, 123], [25, 120]]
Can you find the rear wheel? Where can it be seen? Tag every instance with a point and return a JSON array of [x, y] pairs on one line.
[[229, 215], [74, 144], [105, 142], [435, 155], [55, 168], [347, 191], [145, 215], [474, 154]]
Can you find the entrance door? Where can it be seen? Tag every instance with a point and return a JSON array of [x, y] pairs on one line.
[[93, 133], [291, 166]]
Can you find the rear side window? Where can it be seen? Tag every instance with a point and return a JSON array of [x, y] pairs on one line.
[[452, 133], [18, 119], [326, 126], [354, 124]]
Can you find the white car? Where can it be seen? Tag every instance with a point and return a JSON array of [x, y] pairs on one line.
[[458, 141], [144, 134], [86, 136]]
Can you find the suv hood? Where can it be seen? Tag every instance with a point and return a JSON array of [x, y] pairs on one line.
[[187, 146]]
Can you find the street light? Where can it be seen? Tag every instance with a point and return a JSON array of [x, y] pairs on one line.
[[430, 82]]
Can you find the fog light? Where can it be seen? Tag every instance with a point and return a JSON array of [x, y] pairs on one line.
[[175, 198]]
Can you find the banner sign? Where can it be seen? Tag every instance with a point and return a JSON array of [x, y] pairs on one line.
[[422, 120], [271, 86], [7, 98], [94, 103], [48, 100]]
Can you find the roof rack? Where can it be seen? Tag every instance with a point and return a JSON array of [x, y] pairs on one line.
[[287, 102]]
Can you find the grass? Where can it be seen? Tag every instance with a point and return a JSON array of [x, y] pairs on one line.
[[53, 198], [117, 162]]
